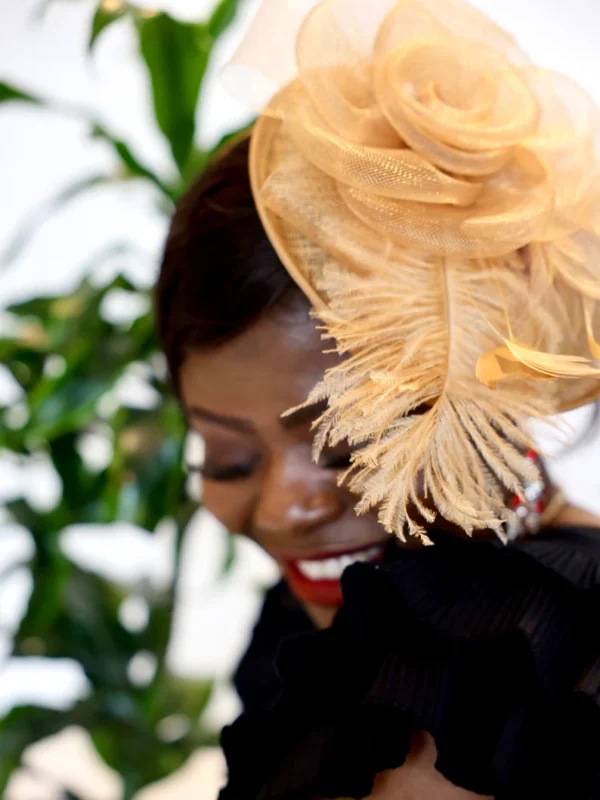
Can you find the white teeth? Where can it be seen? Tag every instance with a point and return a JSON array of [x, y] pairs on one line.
[[331, 569], [311, 569]]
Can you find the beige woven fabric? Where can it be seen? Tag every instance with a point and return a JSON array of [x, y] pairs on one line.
[[437, 197]]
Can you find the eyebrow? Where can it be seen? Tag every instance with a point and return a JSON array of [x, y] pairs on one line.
[[299, 417], [233, 423]]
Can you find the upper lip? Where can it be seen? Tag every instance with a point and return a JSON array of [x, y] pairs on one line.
[[315, 554]]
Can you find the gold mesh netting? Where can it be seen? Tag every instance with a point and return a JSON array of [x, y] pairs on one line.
[[437, 198]]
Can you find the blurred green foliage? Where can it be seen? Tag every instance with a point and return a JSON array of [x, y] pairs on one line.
[[67, 357]]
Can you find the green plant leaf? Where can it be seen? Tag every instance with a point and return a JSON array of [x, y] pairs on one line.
[[8, 93], [21, 728], [222, 17], [230, 555], [44, 608], [133, 166], [192, 696], [176, 55], [101, 20]]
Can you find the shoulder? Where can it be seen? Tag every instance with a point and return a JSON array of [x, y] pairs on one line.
[[571, 516]]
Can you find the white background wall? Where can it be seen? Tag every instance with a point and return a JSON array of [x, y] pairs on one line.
[[42, 152]]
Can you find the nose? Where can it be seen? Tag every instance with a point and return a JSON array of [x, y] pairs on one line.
[[297, 497]]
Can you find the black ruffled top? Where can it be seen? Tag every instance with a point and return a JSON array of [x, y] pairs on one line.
[[495, 651]]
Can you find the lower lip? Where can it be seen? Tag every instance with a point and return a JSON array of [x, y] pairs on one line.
[[318, 592]]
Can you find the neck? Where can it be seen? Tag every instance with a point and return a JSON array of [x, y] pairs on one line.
[[321, 616]]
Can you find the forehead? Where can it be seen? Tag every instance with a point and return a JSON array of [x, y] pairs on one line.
[[269, 368]]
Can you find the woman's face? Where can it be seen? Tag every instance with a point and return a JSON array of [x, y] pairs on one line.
[[259, 476]]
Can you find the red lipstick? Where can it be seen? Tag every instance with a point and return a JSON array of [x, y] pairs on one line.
[[317, 580]]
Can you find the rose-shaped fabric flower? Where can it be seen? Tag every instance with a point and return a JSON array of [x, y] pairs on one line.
[[437, 198]]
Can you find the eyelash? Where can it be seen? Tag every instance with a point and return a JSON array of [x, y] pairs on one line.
[[239, 472], [235, 472]]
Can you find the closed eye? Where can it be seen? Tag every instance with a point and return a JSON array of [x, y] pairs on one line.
[[223, 472]]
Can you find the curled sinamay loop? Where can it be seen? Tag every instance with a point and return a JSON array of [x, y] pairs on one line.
[[437, 198]]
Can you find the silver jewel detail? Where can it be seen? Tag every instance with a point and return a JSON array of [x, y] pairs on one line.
[[533, 523], [525, 515], [513, 527], [534, 491]]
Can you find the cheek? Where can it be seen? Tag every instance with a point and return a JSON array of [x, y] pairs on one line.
[[230, 503]]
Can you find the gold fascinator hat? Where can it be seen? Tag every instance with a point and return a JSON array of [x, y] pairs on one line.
[[437, 197]]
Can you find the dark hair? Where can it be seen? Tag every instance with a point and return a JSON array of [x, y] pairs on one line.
[[219, 272]]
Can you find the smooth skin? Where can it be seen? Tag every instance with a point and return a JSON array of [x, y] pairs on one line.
[[261, 482]]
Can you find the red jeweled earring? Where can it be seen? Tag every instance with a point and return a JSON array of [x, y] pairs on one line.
[[525, 515]]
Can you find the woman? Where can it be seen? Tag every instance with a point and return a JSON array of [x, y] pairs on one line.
[[433, 198]]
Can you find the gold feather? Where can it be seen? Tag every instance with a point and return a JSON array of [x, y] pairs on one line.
[[588, 312], [518, 360], [408, 463]]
